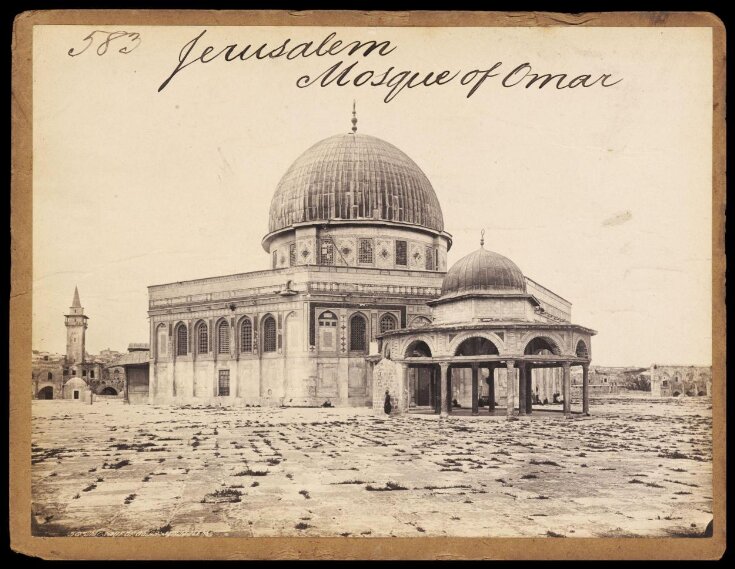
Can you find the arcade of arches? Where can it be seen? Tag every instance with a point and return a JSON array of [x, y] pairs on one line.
[[475, 374]]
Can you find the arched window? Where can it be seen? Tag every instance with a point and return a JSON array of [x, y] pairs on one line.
[[116, 373], [223, 337], [358, 333], [161, 341], [246, 336], [581, 350], [50, 376], [91, 374], [182, 340], [269, 334], [388, 322], [202, 338], [328, 331]]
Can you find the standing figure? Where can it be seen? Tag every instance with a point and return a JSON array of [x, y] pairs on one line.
[[387, 407]]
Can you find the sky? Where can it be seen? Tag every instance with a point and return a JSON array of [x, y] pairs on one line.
[[603, 195]]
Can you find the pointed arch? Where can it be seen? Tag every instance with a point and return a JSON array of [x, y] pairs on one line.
[[223, 336], [491, 337], [269, 333], [46, 392], [292, 330], [246, 335], [358, 332], [542, 342], [581, 350], [387, 323], [202, 337], [476, 346], [161, 339], [182, 339], [417, 348]]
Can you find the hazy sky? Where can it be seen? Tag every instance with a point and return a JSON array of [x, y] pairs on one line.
[[601, 194]]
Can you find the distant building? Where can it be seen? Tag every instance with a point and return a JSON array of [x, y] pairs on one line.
[[673, 381], [608, 380], [135, 365], [75, 374]]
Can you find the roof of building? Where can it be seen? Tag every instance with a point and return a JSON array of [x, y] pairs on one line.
[[131, 358], [354, 177], [483, 272], [75, 303]]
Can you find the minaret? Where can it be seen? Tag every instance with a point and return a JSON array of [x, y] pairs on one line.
[[76, 324]]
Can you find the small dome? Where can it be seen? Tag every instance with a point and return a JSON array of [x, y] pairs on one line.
[[483, 272], [75, 382], [354, 177]]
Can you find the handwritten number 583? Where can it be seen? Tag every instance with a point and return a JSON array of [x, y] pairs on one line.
[[105, 39]]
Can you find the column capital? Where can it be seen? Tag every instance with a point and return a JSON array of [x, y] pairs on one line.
[[444, 366], [475, 365], [566, 365], [586, 366], [510, 364]]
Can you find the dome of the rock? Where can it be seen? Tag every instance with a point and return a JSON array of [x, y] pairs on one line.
[[354, 177]]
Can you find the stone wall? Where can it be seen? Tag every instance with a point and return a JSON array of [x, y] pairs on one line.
[[388, 376]]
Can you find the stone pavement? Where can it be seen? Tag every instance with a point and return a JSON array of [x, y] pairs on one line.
[[636, 467]]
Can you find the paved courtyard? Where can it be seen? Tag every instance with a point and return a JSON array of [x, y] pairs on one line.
[[636, 467]]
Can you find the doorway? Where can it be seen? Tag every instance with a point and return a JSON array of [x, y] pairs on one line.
[[46, 393], [424, 387]]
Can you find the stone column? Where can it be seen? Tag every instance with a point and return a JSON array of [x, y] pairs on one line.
[[510, 389], [522, 384], [475, 389], [443, 380], [585, 389], [437, 372], [566, 390], [529, 389], [491, 388], [402, 398], [450, 407]]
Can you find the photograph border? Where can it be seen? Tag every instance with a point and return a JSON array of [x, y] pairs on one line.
[[180, 548]]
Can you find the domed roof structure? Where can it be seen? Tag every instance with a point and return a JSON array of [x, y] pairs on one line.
[[354, 177], [483, 272]]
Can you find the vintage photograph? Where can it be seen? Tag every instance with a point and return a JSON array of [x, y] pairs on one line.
[[371, 282]]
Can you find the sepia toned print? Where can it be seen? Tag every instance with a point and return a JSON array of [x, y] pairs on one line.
[[303, 310]]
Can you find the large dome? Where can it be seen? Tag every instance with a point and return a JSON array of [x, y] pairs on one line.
[[354, 177], [483, 272]]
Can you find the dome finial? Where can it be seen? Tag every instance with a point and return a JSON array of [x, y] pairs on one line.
[[354, 118], [482, 238]]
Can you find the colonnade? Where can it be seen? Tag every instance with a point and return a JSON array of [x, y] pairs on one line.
[[519, 381]]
